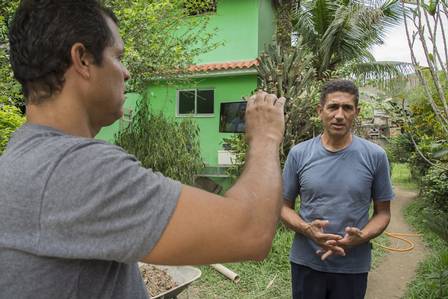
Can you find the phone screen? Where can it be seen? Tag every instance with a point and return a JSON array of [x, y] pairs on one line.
[[231, 117]]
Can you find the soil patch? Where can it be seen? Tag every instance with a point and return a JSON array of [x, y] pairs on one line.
[[156, 280]]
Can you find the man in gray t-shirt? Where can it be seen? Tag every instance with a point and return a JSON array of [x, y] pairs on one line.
[[337, 175], [77, 214]]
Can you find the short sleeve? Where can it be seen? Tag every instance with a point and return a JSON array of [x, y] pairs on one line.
[[290, 179], [382, 186], [100, 203]]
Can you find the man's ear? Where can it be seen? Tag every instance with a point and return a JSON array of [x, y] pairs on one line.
[[319, 109], [82, 60]]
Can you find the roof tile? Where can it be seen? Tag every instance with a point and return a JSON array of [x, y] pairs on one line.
[[246, 64]]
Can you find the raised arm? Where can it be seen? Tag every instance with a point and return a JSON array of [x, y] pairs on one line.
[[208, 228]]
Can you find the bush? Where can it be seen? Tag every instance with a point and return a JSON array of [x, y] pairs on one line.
[[400, 148], [10, 120], [419, 166], [434, 187], [163, 144]]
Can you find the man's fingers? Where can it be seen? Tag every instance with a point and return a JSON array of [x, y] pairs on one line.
[[260, 96], [320, 223], [336, 249], [331, 243], [263, 97], [328, 237], [280, 102], [250, 100], [326, 254], [270, 99], [353, 231]]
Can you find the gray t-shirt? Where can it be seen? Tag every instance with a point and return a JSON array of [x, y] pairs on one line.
[[76, 214], [339, 187]]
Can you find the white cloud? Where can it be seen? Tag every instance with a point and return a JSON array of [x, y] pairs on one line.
[[395, 47]]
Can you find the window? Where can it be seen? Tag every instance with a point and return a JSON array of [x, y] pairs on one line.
[[195, 102], [200, 7]]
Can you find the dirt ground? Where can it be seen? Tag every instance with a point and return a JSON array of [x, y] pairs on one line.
[[389, 279]]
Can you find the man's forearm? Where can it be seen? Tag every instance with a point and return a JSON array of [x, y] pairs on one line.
[[260, 182], [293, 221], [376, 225]]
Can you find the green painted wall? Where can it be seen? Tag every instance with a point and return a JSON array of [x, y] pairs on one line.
[[236, 22], [266, 24], [164, 98], [227, 89], [244, 26]]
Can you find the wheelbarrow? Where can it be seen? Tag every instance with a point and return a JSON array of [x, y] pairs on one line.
[[183, 276]]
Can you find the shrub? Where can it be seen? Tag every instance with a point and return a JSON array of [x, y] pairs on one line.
[[400, 148], [10, 119], [419, 166], [434, 188], [163, 144]]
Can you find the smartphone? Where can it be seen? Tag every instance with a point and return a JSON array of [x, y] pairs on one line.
[[231, 117]]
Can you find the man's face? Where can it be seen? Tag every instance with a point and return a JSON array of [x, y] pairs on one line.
[[107, 99], [338, 113]]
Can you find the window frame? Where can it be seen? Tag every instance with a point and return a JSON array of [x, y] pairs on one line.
[[195, 114]]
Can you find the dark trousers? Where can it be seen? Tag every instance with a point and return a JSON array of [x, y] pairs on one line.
[[311, 284]]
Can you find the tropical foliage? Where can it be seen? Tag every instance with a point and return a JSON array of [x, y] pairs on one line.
[[10, 93], [342, 33], [161, 41], [10, 119], [162, 143]]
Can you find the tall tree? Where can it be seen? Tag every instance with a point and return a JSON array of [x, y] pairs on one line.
[[341, 34], [161, 39]]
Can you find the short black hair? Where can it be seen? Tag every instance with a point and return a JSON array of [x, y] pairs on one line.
[[42, 34], [339, 85]]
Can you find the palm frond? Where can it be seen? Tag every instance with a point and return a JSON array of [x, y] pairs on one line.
[[381, 69]]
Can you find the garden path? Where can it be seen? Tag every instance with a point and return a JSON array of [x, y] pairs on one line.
[[397, 269]]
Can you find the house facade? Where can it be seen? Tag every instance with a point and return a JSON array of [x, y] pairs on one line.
[[225, 74]]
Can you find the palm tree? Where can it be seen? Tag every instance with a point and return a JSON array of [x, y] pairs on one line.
[[340, 34]]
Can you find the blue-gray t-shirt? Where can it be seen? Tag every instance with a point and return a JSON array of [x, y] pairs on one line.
[[76, 214], [338, 187]]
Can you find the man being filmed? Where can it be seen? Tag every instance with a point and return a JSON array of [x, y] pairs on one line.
[[337, 175], [77, 214]]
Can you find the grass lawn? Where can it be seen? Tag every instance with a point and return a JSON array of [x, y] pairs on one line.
[[267, 279], [401, 176]]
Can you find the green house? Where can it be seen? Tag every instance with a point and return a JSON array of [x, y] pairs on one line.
[[224, 75]]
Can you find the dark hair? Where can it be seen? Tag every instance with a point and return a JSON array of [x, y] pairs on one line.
[[42, 34], [339, 85]]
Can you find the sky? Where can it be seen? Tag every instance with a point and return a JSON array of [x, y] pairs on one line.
[[395, 47]]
